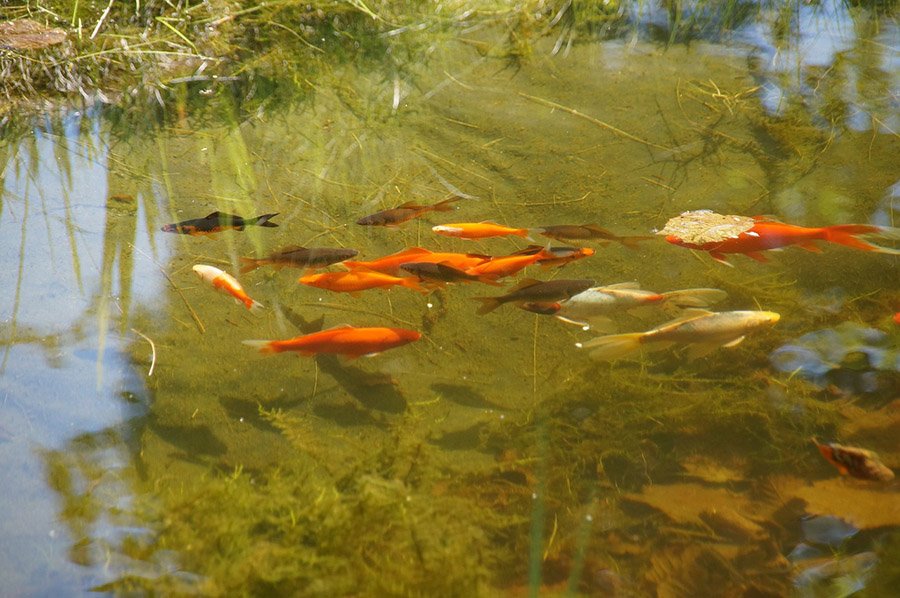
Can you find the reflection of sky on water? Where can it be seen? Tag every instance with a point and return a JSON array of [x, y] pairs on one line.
[[63, 367], [856, 349]]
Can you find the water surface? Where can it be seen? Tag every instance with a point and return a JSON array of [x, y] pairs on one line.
[[492, 455]]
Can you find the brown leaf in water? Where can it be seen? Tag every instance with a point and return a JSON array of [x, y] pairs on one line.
[[710, 470], [683, 503], [25, 34], [865, 506]]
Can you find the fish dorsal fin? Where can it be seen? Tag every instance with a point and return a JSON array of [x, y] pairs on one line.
[[480, 255], [596, 228], [292, 248], [410, 205], [215, 214], [525, 283], [624, 285], [413, 251], [687, 315]]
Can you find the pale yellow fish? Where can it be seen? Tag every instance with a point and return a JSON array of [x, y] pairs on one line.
[[703, 331]]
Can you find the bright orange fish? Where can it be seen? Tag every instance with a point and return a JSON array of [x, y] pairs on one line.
[[479, 230], [390, 264], [342, 340], [508, 265], [768, 234], [226, 283], [358, 280], [561, 255]]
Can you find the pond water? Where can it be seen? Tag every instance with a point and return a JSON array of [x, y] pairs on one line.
[[146, 447]]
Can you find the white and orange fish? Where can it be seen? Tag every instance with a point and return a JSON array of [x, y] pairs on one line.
[[226, 283], [595, 306], [703, 331]]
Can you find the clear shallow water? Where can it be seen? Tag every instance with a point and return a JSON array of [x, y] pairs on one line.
[[491, 455]]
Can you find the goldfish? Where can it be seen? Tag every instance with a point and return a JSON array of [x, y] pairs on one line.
[[217, 222], [535, 290], [720, 234], [442, 272], [479, 230], [859, 463], [704, 331], [589, 231], [556, 256], [226, 283], [897, 318], [404, 212], [595, 305], [344, 340], [508, 265], [357, 280], [299, 257], [390, 264]]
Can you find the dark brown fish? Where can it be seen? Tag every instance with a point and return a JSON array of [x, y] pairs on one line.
[[300, 257], [440, 272], [545, 308], [537, 291], [217, 222], [590, 231], [405, 212], [859, 463]]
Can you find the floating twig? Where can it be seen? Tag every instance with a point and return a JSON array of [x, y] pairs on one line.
[[152, 350], [591, 119]]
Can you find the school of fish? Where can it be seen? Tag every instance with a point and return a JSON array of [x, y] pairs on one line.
[[576, 301]]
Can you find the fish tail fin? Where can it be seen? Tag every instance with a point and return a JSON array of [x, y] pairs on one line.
[[488, 304], [694, 297], [446, 205], [847, 235], [530, 233], [248, 264], [264, 347], [264, 220], [614, 346], [634, 241], [487, 279], [413, 283], [255, 306]]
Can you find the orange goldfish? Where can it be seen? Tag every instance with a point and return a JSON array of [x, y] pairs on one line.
[[390, 264], [342, 340], [761, 234], [508, 265], [357, 280], [479, 230], [560, 255], [226, 283], [859, 463]]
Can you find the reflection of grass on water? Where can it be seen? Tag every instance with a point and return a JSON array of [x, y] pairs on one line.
[[147, 54]]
